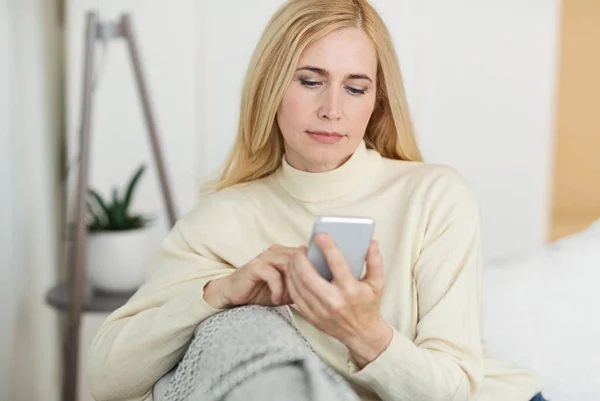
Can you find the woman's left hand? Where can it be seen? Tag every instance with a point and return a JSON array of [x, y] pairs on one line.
[[345, 308]]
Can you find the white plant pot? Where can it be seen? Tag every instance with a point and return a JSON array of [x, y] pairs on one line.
[[116, 261]]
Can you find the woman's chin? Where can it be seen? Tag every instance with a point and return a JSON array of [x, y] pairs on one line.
[[314, 156]]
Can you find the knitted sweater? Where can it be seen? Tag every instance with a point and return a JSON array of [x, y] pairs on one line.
[[428, 229]]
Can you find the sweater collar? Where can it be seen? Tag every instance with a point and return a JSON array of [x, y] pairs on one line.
[[318, 187]]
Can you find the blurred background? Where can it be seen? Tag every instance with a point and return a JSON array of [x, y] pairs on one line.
[[506, 91]]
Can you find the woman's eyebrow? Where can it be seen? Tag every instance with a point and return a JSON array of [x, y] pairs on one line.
[[325, 73]]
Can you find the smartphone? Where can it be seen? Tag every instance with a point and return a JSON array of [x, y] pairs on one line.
[[351, 235]]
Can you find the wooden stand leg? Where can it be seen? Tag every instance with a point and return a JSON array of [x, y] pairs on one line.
[[127, 32], [77, 273]]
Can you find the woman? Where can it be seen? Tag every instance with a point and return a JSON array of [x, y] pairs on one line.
[[324, 130]]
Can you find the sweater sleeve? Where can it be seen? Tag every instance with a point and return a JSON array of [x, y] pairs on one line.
[[145, 338], [445, 360]]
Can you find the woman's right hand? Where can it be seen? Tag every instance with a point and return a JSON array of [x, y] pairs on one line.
[[259, 282]]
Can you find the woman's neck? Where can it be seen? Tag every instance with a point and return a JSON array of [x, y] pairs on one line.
[[309, 186], [315, 168]]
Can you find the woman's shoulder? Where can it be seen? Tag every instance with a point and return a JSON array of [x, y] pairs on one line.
[[433, 182], [222, 206], [425, 174]]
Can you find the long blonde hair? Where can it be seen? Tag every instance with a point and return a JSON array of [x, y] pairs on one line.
[[258, 148]]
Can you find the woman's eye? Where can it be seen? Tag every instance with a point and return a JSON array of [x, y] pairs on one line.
[[310, 84], [314, 84], [355, 91]]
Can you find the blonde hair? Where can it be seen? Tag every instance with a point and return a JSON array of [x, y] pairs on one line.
[[258, 149]]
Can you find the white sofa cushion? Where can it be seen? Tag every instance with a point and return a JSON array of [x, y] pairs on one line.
[[543, 312]]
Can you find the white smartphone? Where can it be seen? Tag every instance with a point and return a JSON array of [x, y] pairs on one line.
[[351, 235]]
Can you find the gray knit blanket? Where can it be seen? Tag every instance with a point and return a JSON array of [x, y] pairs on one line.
[[251, 353]]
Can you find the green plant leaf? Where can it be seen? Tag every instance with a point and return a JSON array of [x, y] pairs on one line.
[[135, 222], [96, 211], [121, 217], [117, 211], [114, 216], [96, 197], [131, 187], [96, 221]]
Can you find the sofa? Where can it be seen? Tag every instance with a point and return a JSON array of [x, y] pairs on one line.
[[543, 313]]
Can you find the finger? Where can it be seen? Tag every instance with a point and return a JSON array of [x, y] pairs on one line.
[[374, 274], [310, 286], [310, 278], [286, 299], [275, 281], [282, 249], [335, 259], [298, 300], [279, 261], [279, 256]]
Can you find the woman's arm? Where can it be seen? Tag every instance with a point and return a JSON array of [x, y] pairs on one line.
[[445, 361], [145, 338]]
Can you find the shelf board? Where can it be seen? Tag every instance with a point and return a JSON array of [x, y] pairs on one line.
[[59, 298]]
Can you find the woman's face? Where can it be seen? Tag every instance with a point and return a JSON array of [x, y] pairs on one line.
[[325, 111]]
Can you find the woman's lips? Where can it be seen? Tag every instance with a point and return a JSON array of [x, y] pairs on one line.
[[325, 137]]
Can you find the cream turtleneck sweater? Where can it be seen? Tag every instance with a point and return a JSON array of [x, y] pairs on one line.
[[428, 228]]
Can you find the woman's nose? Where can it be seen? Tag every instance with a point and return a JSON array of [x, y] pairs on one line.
[[331, 108]]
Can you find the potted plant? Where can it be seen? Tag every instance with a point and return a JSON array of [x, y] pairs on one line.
[[116, 239]]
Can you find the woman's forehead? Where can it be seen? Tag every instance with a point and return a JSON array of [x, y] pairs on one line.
[[345, 51]]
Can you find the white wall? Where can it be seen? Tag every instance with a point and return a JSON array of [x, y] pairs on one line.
[[227, 32], [480, 81], [485, 102], [29, 354]]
